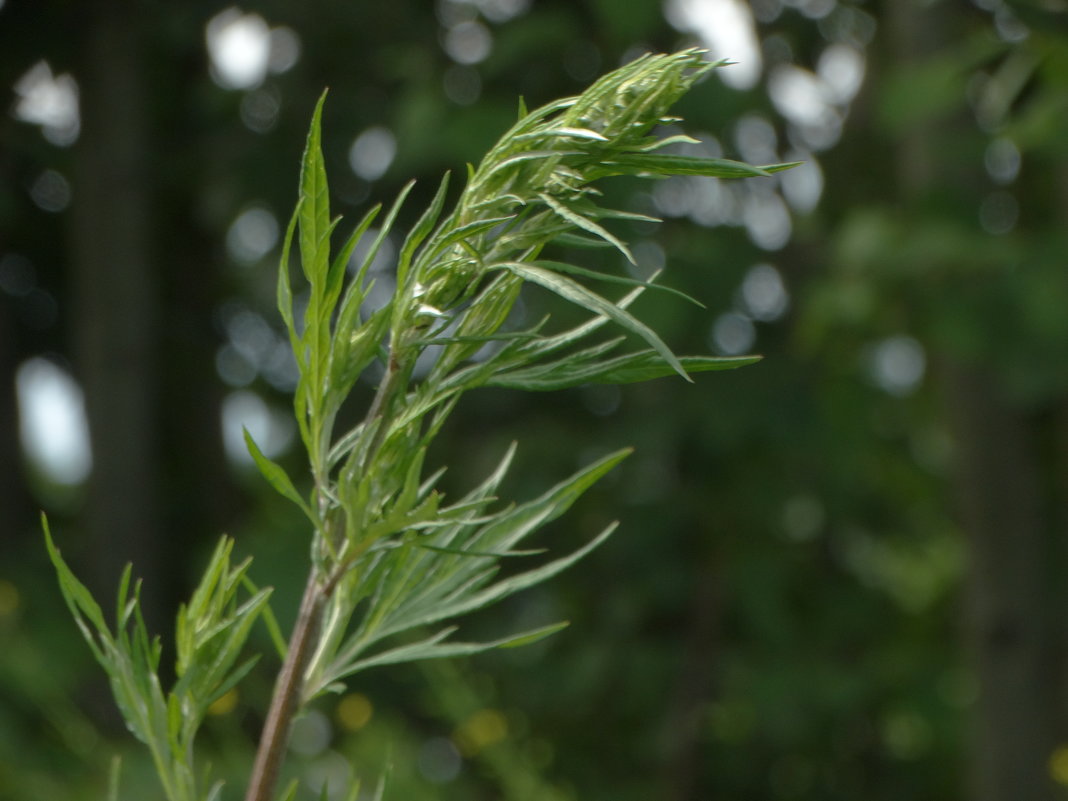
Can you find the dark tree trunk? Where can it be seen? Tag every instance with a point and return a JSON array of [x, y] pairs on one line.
[[14, 517], [1009, 598], [115, 299], [695, 686], [1001, 498]]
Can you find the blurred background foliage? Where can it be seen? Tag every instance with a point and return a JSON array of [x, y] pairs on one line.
[[841, 571]]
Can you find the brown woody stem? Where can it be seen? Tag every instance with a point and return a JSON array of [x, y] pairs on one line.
[[287, 691]]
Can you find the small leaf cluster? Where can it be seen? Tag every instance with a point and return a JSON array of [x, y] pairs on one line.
[[211, 633]]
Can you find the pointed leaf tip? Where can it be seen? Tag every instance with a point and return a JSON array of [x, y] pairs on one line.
[[276, 476], [530, 637]]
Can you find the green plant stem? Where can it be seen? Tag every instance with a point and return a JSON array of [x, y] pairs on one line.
[[385, 389], [289, 687], [285, 702]]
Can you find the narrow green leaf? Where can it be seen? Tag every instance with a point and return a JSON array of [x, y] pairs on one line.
[[290, 792], [466, 552], [420, 231], [459, 590], [383, 232], [626, 369], [231, 681], [465, 602], [174, 722], [573, 240], [276, 476], [654, 143], [380, 791], [217, 566], [114, 774], [477, 340], [565, 132], [434, 648], [581, 296], [647, 366], [463, 233], [285, 293], [315, 208], [79, 599], [531, 578], [534, 635], [274, 631], [354, 347], [669, 164], [572, 269], [586, 224], [550, 344], [341, 261]]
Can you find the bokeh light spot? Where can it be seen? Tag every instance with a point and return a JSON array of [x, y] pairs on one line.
[[259, 109], [439, 761], [354, 711], [897, 365], [802, 186], [271, 429], [239, 48], [468, 43], [841, 68], [9, 598], [756, 139], [764, 293], [372, 152], [727, 29], [463, 85], [52, 422], [906, 734], [767, 221], [999, 213], [50, 101], [17, 275], [252, 235], [1058, 765], [499, 11], [482, 729], [51, 191], [1002, 160], [803, 517], [284, 49], [311, 734], [732, 334], [225, 703]]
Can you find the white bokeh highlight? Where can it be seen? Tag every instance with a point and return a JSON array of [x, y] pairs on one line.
[[53, 427]]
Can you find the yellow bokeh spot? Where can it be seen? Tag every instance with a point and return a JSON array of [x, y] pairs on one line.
[[482, 729], [355, 711], [224, 704], [9, 598], [1058, 765]]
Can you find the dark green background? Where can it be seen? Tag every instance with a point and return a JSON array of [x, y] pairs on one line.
[[819, 590]]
